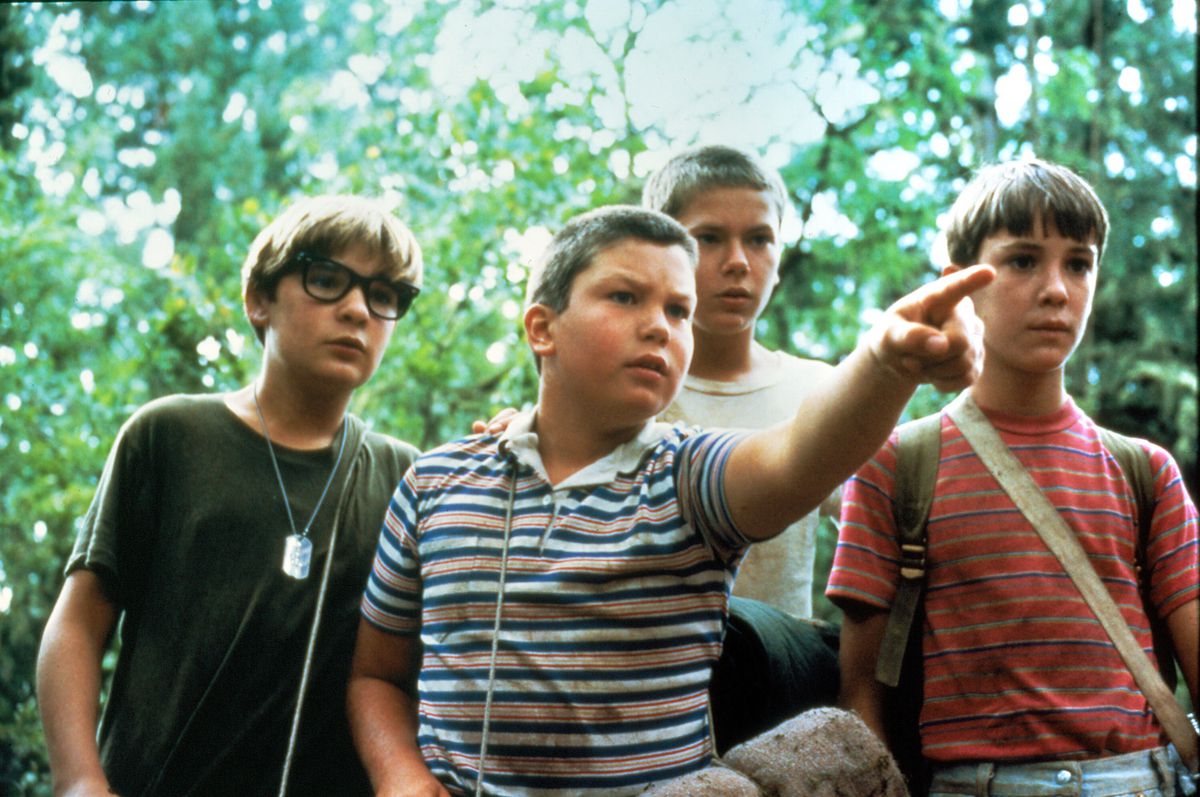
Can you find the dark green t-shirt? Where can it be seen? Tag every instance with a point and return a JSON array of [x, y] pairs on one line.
[[186, 533]]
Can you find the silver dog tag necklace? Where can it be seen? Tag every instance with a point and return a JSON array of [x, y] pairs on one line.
[[297, 549]]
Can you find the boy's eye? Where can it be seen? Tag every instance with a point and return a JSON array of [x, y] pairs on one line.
[[679, 311], [384, 295], [325, 277], [1022, 261], [707, 238], [621, 297], [762, 240], [1081, 265]]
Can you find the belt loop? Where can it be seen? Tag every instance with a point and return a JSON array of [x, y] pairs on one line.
[[983, 779], [1161, 760]]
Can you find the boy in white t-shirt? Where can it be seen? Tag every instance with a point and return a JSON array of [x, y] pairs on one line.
[[775, 663], [733, 205]]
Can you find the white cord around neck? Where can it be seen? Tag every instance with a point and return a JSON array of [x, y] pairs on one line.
[[491, 684], [278, 475]]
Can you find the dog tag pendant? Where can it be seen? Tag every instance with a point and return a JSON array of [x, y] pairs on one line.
[[297, 554]]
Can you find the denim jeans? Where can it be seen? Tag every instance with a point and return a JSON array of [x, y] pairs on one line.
[[1149, 773]]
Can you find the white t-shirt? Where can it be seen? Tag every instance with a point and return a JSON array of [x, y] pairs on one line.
[[780, 570]]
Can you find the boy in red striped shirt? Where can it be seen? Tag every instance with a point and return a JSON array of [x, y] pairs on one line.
[[1022, 688]]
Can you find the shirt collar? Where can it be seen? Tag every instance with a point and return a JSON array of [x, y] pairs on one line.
[[521, 440], [1060, 420]]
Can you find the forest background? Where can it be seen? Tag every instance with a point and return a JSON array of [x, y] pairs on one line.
[[143, 144]]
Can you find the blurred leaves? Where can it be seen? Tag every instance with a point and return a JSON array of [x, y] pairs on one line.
[[124, 125]]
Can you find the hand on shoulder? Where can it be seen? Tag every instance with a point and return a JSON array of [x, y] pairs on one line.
[[497, 424]]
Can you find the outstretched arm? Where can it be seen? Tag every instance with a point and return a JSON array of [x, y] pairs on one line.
[[381, 700], [68, 683], [931, 335]]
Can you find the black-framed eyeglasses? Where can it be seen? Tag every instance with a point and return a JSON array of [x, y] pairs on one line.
[[327, 280]]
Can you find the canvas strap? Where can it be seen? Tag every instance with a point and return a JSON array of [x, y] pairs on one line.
[[918, 447], [355, 443], [1059, 538]]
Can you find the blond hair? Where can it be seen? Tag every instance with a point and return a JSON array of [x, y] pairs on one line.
[[325, 226], [676, 184]]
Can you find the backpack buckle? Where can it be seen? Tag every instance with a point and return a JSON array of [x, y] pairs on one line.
[[912, 562]]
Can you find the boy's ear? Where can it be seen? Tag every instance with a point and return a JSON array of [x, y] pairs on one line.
[[256, 307], [538, 331], [950, 269]]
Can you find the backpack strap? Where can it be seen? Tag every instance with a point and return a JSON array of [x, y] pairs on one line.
[[918, 449], [1135, 465], [1063, 542]]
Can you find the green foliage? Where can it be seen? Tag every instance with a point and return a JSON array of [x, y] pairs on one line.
[[52, 434], [486, 121], [15, 68]]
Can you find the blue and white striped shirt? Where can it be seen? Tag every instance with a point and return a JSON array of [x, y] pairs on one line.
[[615, 598]]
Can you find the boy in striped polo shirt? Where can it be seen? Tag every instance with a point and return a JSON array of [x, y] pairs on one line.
[[1017, 672], [546, 604]]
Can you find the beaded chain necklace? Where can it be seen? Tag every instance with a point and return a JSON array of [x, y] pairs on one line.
[[297, 550]]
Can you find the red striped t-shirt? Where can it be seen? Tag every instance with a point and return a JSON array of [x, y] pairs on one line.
[[1016, 665]]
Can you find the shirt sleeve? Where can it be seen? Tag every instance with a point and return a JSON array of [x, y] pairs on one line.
[[1173, 548], [117, 533], [866, 561], [700, 485], [392, 599]]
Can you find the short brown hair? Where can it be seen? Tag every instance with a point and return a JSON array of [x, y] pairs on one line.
[[672, 187], [587, 235], [1013, 196], [324, 226]]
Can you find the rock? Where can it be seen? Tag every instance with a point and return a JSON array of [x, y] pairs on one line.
[[716, 781], [824, 752]]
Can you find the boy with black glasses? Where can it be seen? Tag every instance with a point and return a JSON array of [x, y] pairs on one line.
[[211, 533]]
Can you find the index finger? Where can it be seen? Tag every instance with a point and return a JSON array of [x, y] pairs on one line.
[[939, 298]]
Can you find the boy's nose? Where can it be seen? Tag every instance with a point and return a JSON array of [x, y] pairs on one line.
[[1054, 284], [655, 325], [354, 303], [736, 261]]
